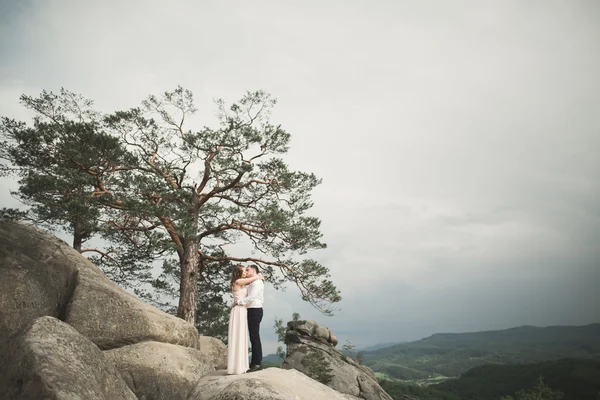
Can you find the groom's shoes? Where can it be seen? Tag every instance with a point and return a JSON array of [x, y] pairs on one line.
[[254, 368]]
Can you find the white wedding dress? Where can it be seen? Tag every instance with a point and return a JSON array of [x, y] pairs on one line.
[[237, 342]]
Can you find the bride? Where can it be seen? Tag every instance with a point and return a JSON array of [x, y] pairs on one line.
[[237, 347]]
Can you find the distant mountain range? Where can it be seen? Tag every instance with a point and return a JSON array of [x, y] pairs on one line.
[[379, 346], [274, 358], [451, 354]]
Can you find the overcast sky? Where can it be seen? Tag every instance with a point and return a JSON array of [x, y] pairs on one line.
[[458, 141]]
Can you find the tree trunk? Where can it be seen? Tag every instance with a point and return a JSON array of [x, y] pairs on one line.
[[78, 234], [188, 285]]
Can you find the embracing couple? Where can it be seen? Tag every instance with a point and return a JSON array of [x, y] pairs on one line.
[[247, 287]]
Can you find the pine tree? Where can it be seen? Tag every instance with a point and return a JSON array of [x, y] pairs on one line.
[[160, 192]]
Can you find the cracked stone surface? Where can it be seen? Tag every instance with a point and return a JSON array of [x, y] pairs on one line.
[[349, 376]]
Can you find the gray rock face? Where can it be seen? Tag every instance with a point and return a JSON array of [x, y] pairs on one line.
[[34, 279], [51, 360], [155, 370], [42, 275], [268, 384], [58, 312], [309, 328], [306, 338], [213, 350], [122, 318]]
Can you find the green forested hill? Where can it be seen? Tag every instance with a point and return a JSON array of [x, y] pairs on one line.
[[451, 354], [577, 379]]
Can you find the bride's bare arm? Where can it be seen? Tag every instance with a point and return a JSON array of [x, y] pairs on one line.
[[245, 281]]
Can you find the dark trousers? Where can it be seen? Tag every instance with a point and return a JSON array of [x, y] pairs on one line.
[[254, 317]]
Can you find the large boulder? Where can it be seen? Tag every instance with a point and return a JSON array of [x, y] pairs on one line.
[[51, 360], [213, 350], [35, 280], [122, 318], [268, 384], [148, 354], [311, 350], [155, 370], [310, 329], [42, 275]]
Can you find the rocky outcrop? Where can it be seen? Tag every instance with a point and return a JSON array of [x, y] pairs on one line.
[[42, 275], [51, 360], [34, 282], [213, 351], [155, 370], [68, 332], [268, 384], [123, 319], [306, 342]]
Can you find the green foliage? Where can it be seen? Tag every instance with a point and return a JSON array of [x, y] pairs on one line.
[[156, 190], [317, 367], [280, 330], [400, 391], [212, 308], [348, 347], [360, 357], [575, 378], [243, 193], [67, 165], [403, 373], [539, 392], [268, 364], [59, 162], [13, 214], [348, 350], [212, 315]]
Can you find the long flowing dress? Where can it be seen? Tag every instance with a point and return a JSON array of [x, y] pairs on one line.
[[237, 342]]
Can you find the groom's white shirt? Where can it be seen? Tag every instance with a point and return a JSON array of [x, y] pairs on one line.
[[256, 292]]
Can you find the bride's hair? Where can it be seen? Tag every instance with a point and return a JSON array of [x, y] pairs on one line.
[[238, 271]]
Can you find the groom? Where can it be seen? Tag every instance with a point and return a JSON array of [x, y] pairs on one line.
[[254, 300]]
